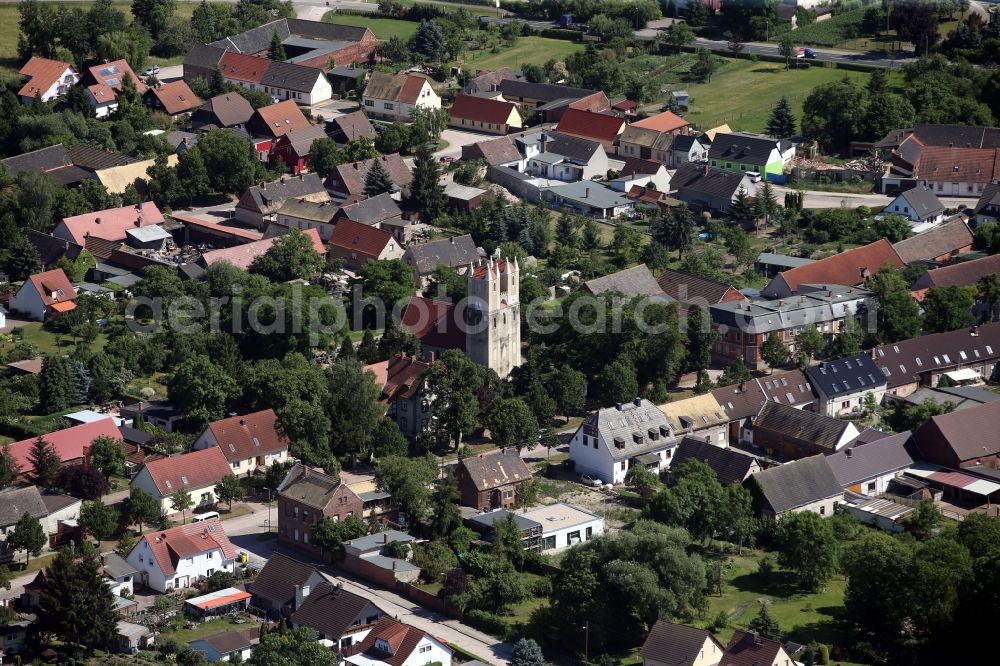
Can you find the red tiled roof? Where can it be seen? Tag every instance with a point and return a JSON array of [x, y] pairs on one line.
[[241, 67], [402, 640], [482, 109], [624, 105], [42, 73], [403, 376], [110, 224], [236, 232], [963, 274], [644, 194], [360, 238], [636, 165], [590, 125], [844, 268], [350, 178], [169, 546], [667, 121], [410, 92], [434, 322], [282, 117], [53, 286], [176, 97], [250, 435], [494, 268], [957, 164], [747, 649], [242, 256], [111, 74], [380, 370], [102, 93], [194, 470], [69, 443]]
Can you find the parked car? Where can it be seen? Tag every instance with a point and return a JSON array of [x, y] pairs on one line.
[[447, 158], [590, 480], [152, 71], [810, 53]]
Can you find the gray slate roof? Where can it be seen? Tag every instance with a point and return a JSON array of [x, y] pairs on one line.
[[675, 644], [273, 194], [716, 183], [812, 308], [729, 465], [116, 567], [299, 78], [372, 210], [329, 610], [491, 518], [590, 194], [947, 237], [43, 159], [630, 424], [256, 39], [818, 429], [15, 502], [452, 252], [923, 202], [847, 375], [314, 489], [798, 483], [865, 462], [743, 148], [785, 260], [572, 147], [546, 92], [635, 281], [277, 580]]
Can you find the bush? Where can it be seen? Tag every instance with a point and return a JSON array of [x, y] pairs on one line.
[[767, 565], [541, 587], [721, 621], [824, 654], [488, 622]]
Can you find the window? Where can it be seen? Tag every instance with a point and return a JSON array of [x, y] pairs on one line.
[[548, 543], [589, 533], [845, 405], [822, 511], [236, 464], [573, 538], [389, 107], [425, 648], [295, 512], [210, 555], [296, 534], [369, 102], [871, 487]]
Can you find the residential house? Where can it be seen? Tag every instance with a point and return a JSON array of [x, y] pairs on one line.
[[250, 442], [392, 643], [395, 96], [699, 415], [72, 445], [987, 208], [568, 158], [196, 473], [348, 180], [358, 244], [14, 635], [480, 114], [962, 274], [491, 481], [923, 360], [374, 211], [742, 402], [242, 256], [277, 120], [495, 152], [110, 224], [160, 413], [963, 439], [294, 147], [843, 385], [868, 469], [631, 282], [174, 98], [613, 438], [487, 81], [260, 203], [228, 645], [749, 647], [44, 295], [456, 253], [103, 93], [51, 249], [918, 205], [181, 556], [952, 160], [368, 557], [730, 465], [15, 502], [639, 137], [437, 324], [299, 84], [641, 172], [46, 79], [303, 214], [349, 127], [563, 525], [346, 80], [119, 574], [742, 153], [335, 614], [748, 324], [283, 584], [670, 644], [850, 268], [230, 110], [404, 391], [960, 397], [696, 291], [600, 127], [709, 189], [306, 496], [940, 244], [801, 485], [790, 433], [677, 149], [588, 198], [548, 101]]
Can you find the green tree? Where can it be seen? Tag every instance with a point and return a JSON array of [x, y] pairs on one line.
[[512, 423], [445, 514], [452, 381], [694, 499], [568, 387], [434, 559], [202, 389], [897, 316], [904, 416], [9, 470], [353, 406], [773, 351], [702, 336], [526, 651], [231, 162], [377, 180], [192, 174], [786, 47], [44, 462], [678, 34], [153, 14], [125, 544], [387, 281], [808, 547], [704, 66], [28, 536], [181, 501], [617, 383], [428, 41], [368, 349], [408, 480], [426, 191], [276, 50], [832, 113], [203, 22], [76, 604], [140, 508], [229, 489], [325, 156], [220, 580], [291, 257], [847, 342], [291, 647], [781, 124], [108, 455], [765, 625], [56, 384], [330, 535], [949, 308], [810, 344], [99, 520], [739, 245], [388, 440], [922, 521], [736, 373]]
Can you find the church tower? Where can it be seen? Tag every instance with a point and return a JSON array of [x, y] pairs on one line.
[[493, 315]]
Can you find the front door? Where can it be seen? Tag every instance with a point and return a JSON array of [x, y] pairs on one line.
[[954, 190]]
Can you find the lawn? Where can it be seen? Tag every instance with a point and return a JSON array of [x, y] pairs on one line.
[[533, 50], [384, 28], [48, 342]]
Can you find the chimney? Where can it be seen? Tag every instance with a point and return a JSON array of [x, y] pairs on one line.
[[301, 592], [618, 406], [430, 357], [847, 452], [97, 220], [385, 537], [243, 422], [637, 402]]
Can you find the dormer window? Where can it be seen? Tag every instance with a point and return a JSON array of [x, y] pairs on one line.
[[383, 646]]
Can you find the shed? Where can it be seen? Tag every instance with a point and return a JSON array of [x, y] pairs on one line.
[[219, 602], [464, 197], [148, 238]]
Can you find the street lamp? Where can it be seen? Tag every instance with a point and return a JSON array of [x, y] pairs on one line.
[[586, 642], [268, 510]]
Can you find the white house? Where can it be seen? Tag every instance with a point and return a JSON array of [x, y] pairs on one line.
[[564, 525], [392, 643], [566, 158], [281, 80], [183, 555], [227, 645], [43, 295], [249, 442], [46, 79], [394, 97], [670, 644], [641, 172], [118, 574], [196, 472], [611, 439], [920, 206], [844, 384], [868, 469]]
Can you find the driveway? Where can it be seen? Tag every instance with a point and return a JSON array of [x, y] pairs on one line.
[[458, 138], [14, 322]]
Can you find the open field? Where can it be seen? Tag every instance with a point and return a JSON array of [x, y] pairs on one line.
[[533, 50], [384, 28], [48, 342]]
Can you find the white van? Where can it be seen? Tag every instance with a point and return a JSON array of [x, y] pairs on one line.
[[208, 515], [753, 176]]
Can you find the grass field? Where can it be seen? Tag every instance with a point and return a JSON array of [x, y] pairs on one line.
[[48, 342], [533, 50], [384, 28]]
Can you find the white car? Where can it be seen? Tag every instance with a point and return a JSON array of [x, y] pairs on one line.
[[152, 71], [592, 481]]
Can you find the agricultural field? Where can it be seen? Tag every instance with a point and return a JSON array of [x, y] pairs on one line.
[[384, 28], [528, 50]]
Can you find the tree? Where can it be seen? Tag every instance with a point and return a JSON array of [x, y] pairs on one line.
[[786, 47], [153, 14], [276, 51], [229, 489], [181, 501], [125, 544], [368, 349], [989, 291], [353, 406], [202, 389], [76, 604], [904, 416], [453, 380], [203, 22], [781, 124], [387, 282], [140, 508], [704, 66], [832, 112], [526, 651], [426, 191], [28, 536], [83, 481], [702, 336], [512, 423], [220, 580], [810, 343], [291, 647], [44, 462], [617, 383], [739, 245], [897, 316], [847, 342], [735, 43], [808, 547], [434, 559], [9, 470], [408, 480], [108, 455], [292, 256], [56, 384], [949, 308], [694, 499], [231, 162], [445, 514], [765, 625], [325, 156], [378, 181], [428, 41], [773, 351], [917, 22], [99, 520], [678, 34], [922, 521], [330, 535], [388, 440], [736, 373], [569, 388]]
